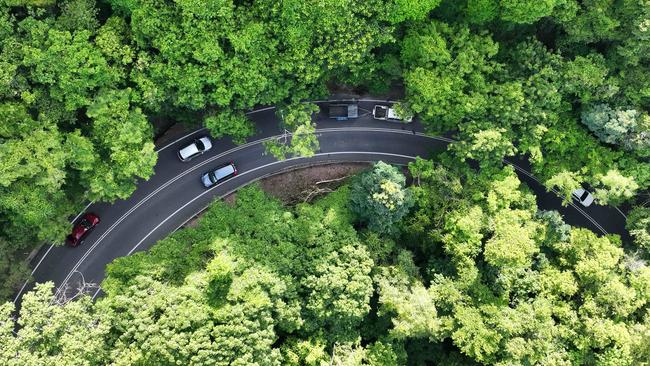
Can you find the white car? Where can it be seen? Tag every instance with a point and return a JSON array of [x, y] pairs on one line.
[[386, 113], [583, 196], [196, 148]]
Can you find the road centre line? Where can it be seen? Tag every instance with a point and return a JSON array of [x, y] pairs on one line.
[[90, 203], [343, 129], [248, 183], [45, 255], [273, 107], [262, 167], [557, 193], [207, 161], [257, 141]]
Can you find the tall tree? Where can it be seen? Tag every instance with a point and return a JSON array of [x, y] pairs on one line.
[[74, 334], [379, 197], [299, 138]]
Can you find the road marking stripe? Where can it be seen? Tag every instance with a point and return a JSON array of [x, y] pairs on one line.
[[256, 169], [244, 185], [207, 161], [45, 255], [263, 109], [557, 193], [341, 129]]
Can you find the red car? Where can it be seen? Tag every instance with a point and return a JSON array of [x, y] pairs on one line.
[[88, 222]]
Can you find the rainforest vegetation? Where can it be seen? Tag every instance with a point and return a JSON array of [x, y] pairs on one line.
[[473, 274], [461, 269]]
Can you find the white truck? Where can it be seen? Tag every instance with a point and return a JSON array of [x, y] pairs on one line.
[[389, 113]]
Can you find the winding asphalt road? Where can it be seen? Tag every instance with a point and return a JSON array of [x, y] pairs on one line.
[[174, 194]]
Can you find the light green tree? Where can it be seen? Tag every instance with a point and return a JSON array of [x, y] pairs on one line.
[[565, 182], [638, 224], [338, 291], [228, 123], [379, 197], [526, 11], [615, 188], [50, 334], [411, 306], [122, 137], [447, 72], [404, 10], [299, 138], [488, 147]]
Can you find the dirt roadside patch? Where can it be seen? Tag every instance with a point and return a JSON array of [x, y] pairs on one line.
[[303, 184]]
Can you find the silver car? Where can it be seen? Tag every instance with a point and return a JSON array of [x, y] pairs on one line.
[[583, 196], [218, 175], [196, 148]]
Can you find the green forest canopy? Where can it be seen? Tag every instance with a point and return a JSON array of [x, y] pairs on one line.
[[566, 82], [473, 275], [563, 82]]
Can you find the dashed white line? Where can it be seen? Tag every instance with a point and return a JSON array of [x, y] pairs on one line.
[[257, 142], [191, 169], [45, 255]]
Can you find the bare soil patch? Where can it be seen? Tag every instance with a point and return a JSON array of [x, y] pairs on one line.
[[303, 184], [170, 134], [306, 184]]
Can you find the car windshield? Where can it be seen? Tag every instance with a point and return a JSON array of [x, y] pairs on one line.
[[85, 223], [199, 144], [212, 177], [584, 196]]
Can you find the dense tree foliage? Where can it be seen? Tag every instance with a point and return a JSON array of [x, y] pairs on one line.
[[380, 198], [77, 85], [460, 268], [559, 90], [299, 137], [70, 131], [638, 224], [472, 274]]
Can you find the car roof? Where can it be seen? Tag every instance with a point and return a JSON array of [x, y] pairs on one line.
[[224, 171], [77, 231], [189, 150]]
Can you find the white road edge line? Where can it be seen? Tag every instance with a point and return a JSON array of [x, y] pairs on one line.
[[181, 139], [557, 193], [271, 108], [207, 161], [242, 186], [45, 255], [259, 141], [324, 131], [262, 167]]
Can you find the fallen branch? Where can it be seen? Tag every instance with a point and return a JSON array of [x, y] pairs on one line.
[[315, 193], [332, 180]]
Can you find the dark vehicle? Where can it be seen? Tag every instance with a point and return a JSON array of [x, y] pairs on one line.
[[220, 174], [81, 229], [343, 111]]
